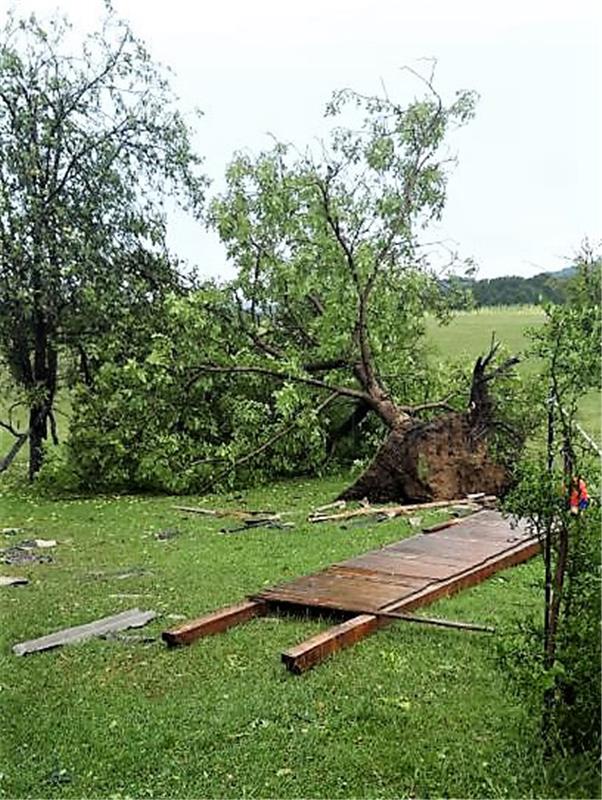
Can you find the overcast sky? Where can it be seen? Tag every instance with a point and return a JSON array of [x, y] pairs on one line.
[[528, 185]]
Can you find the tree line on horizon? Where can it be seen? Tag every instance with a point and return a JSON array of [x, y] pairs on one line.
[[513, 290]]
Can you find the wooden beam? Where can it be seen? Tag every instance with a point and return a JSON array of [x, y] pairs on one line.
[[308, 654], [215, 622]]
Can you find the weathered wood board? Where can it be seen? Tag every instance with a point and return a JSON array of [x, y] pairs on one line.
[[134, 618], [215, 622]]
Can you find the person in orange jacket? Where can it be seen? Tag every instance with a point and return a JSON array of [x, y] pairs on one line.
[[578, 498]]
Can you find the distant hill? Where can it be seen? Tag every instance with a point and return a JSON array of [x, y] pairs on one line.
[[512, 290]]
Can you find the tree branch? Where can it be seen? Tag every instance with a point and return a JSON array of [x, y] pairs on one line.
[[314, 382]]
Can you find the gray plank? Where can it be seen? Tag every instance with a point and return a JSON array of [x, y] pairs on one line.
[[12, 580], [134, 618]]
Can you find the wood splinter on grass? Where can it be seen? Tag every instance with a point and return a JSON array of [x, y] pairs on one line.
[[225, 512]]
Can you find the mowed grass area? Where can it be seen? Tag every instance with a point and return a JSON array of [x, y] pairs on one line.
[[408, 712], [469, 333]]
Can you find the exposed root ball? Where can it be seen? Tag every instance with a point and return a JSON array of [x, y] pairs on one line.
[[441, 459]]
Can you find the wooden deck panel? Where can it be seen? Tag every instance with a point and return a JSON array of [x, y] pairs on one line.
[[308, 654], [413, 563], [396, 578]]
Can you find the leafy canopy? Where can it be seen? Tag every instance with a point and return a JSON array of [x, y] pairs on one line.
[[91, 145], [327, 244]]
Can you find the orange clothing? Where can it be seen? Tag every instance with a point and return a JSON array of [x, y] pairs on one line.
[[579, 498]]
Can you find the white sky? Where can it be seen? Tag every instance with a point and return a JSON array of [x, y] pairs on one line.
[[528, 185]]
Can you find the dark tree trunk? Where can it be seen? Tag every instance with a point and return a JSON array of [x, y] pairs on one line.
[[348, 427], [43, 382], [441, 459], [37, 435]]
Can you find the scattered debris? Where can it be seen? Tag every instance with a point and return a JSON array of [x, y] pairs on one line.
[[134, 618], [17, 555], [448, 523], [240, 514], [30, 544], [415, 522], [126, 596], [60, 777], [268, 522], [168, 533], [389, 512], [120, 574], [12, 580], [337, 504], [11, 531], [193, 510]]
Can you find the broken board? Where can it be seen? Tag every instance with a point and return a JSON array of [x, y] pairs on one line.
[[134, 618]]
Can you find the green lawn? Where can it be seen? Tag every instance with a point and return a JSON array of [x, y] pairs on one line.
[[408, 712]]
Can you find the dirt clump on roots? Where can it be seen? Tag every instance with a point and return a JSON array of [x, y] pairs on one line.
[[441, 459]]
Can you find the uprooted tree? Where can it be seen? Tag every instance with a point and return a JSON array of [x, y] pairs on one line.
[[334, 284], [91, 144]]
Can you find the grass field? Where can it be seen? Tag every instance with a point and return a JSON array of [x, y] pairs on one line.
[[470, 333], [406, 713], [409, 712]]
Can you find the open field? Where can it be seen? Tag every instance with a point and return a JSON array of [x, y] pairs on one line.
[[406, 712], [470, 333]]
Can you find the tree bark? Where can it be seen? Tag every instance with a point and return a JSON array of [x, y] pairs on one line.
[[44, 382]]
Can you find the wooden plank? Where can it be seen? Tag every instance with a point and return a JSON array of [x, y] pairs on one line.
[[134, 618], [440, 526], [470, 577], [12, 580], [304, 656], [215, 622], [390, 511]]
